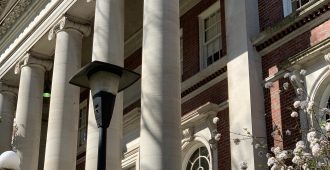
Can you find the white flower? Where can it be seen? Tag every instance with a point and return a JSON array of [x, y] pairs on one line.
[[310, 107], [288, 132], [296, 104], [298, 160], [215, 120], [316, 150], [286, 75], [300, 91], [217, 136], [293, 77], [268, 85], [290, 168], [283, 155], [286, 86], [271, 161], [303, 72], [276, 150], [300, 144], [294, 114], [327, 127], [311, 136]]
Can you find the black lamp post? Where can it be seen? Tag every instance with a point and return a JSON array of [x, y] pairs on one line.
[[104, 80]]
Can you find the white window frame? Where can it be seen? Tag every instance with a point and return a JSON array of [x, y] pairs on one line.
[[82, 148], [213, 8]]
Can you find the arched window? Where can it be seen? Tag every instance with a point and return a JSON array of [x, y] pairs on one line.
[[199, 160]]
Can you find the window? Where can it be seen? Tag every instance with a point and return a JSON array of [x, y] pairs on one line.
[[210, 35], [82, 131], [199, 160], [290, 6]]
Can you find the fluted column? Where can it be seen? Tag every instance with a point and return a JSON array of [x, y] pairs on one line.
[[29, 109], [61, 144], [108, 46], [8, 97], [160, 141]]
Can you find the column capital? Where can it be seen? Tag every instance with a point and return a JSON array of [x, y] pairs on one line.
[[30, 59], [65, 23], [4, 88]]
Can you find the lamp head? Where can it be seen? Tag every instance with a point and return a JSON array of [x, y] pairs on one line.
[[104, 80]]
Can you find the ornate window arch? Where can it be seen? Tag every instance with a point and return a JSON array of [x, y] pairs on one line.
[[197, 156], [320, 92]]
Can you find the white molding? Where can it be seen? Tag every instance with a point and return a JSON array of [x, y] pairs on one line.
[[36, 29]]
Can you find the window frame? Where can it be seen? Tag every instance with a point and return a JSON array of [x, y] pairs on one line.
[[201, 17]]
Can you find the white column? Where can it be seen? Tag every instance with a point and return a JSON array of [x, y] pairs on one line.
[[246, 107], [108, 46], [29, 109], [160, 141], [62, 133], [8, 97]]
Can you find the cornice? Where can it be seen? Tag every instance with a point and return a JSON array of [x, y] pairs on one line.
[[292, 26], [11, 17], [322, 49]]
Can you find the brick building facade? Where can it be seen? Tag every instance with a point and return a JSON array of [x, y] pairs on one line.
[[228, 52]]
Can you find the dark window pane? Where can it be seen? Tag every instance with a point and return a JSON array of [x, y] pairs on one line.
[[216, 56], [204, 163]]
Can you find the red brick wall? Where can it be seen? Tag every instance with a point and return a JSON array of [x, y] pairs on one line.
[[278, 101], [224, 143], [270, 12], [320, 33], [217, 94]]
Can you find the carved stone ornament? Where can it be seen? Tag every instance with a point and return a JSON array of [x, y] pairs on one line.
[[327, 58], [13, 15], [66, 23], [28, 59], [187, 135]]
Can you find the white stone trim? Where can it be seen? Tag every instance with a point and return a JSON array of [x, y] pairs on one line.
[[36, 29]]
